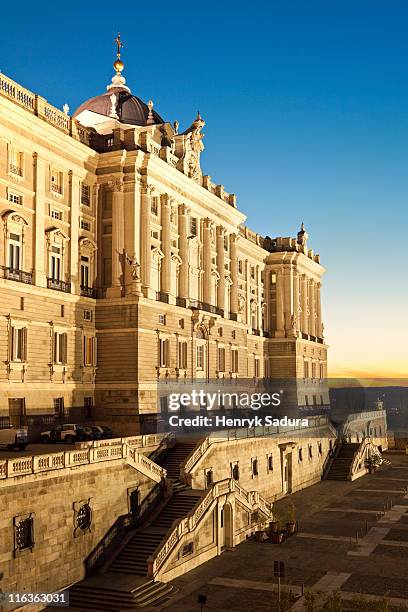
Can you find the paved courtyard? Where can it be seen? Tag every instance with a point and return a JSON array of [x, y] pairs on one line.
[[353, 538]]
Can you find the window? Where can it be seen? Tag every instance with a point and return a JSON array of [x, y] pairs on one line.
[[270, 463], [18, 343], [56, 181], [88, 405], [188, 549], [235, 471], [273, 278], [84, 517], [85, 266], [257, 367], [313, 370], [154, 208], [87, 315], [300, 455], [58, 407], [15, 198], [319, 447], [16, 162], [233, 334], [89, 350], [193, 226], [209, 478], [200, 356], [181, 323], [221, 359], [182, 355], [253, 272], [56, 214], [14, 252], [162, 319], [23, 533], [59, 347], [85, 195], [85, 225], [254, 463], [226, 241], [305, 369], [164, 352], [55, 263], [234, 361], [62, 311], [107, 229], [240, 266], [310, 452]]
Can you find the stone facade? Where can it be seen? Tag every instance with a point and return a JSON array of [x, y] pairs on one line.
[[53, 499], [123, 265]]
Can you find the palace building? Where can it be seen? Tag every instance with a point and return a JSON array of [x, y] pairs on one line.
[[122, 265]]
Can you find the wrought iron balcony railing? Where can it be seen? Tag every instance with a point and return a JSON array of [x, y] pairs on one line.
[[162, 297], [58, 285], [17, 275], [88, 292]]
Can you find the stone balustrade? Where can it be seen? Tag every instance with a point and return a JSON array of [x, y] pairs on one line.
[[243, 433], [39, 106], [23, 466], [251, 499]]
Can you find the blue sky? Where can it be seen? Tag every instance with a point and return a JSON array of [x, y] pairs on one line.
[[306, 105]]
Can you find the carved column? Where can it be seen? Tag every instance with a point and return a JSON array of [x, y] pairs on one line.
[[296, 300], [288, 301], [74, 195], [165, 271], [280, 313], [319, 331], [234, 274], [312, 308], [221, 267], [39, 263], [183, 213], [145, 242], [118, 235], [305, 304], [259, 296], [207, 261]]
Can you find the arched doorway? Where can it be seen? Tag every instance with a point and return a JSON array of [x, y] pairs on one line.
[[226, 526]]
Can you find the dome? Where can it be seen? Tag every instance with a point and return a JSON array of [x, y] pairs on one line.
[[127, 108]]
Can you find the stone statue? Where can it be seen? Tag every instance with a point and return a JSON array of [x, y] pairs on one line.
[[134, 267], [113, 112], [193, 148]]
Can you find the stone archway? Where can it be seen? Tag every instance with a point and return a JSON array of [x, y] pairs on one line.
[[227, 526]]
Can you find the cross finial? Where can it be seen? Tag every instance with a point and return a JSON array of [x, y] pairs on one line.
[[119, 44]]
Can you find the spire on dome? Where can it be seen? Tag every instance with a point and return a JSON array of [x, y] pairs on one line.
[[118, 81]]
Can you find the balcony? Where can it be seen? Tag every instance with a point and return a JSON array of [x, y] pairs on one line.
[[162, 297], [58, 285], [233, 316], [256, 332], [267, 334], [88, 292], [17, 275], [15, 170], [197, 305], [181, 302]]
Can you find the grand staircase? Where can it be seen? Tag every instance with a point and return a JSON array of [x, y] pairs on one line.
[[340, 468], [106, 592], [172, 460], [133, 557]]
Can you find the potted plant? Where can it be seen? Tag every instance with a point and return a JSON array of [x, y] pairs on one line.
[[291, 518]]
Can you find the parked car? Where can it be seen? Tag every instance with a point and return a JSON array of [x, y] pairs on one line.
[[68, 433], [97, 432], [13, 438], [107, 432]]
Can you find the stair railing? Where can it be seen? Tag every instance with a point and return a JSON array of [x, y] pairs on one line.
[[252, 500], [360, 455], [110, 541], [166, 443], [331, 456], [156, 472]]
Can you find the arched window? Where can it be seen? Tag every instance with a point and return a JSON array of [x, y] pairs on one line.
[[87, 266], [15, 228]]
